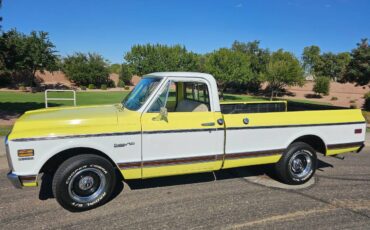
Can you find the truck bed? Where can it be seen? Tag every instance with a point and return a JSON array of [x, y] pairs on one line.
[[271, 106]]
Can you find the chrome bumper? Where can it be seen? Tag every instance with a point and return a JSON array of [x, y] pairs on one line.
[[15, 180]]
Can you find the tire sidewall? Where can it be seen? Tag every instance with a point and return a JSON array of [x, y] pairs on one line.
[[62, 186], [292, 179]]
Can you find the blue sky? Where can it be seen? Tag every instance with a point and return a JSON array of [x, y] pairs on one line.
[[111, 27]]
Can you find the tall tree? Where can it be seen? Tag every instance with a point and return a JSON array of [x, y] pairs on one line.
[[228, 66], [311, 58], [148, 58], [283, 70], [27, 54], [259, 59], [358, 70], [125, 74], [115, 68]]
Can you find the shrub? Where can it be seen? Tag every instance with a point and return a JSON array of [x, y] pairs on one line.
[[127, 87], [121, 84], [334, 99], [84, 69], [322, 85], [91, 86], [83, 87], [367, 101], [103, 87]]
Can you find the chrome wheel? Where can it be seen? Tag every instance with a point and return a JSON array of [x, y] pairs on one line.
[[300, 164], [87, 185]]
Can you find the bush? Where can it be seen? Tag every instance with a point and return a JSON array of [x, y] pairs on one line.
[[121, 84], [83, 87], [84, 69], [322, 85], [91, 86], [127, 87], [334, 99], [103, 87], [367, 101]]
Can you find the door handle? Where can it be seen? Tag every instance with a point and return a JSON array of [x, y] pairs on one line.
[[208, 124]]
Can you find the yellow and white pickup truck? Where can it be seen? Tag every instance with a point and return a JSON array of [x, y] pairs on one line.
[[171, 123]]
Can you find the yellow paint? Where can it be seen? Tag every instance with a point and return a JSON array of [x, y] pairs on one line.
[[131, 173], [294, 118], [340, 151], [81, 120], [179, 121], [251, 161], [29, 184], [179, 169]]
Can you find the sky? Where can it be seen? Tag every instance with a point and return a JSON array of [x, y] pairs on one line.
[[111, 27]]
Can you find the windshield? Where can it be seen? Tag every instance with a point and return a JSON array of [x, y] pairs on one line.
[[138, 96]]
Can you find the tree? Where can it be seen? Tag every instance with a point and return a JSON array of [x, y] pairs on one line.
[[148, 58], [84, 69], [358, 70], [283, 70], [27, 54], [322, 86], [228, 66], [259, 59], [115, 68], [333, 65], [126, 74], [311, 58]]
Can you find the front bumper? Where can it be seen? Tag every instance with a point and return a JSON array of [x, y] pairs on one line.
[[16, 182]]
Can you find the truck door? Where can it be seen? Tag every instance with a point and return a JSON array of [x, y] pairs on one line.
[[180, 133]]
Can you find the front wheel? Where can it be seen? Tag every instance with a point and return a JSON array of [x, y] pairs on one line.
[[298, 164], [83, 182]]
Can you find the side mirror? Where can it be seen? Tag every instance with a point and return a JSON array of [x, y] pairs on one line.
[[163, 114]]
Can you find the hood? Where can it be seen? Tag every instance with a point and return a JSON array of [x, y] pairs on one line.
[[66, 121]]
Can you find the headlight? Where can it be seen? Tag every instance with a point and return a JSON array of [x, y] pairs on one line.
[[10, 164]]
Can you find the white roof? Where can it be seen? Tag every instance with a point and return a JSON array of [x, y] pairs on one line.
[[180, 74]]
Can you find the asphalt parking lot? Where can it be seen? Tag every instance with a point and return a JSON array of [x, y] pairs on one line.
[[337, 198]]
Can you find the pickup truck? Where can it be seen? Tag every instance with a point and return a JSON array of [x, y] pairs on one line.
[[171, 123]]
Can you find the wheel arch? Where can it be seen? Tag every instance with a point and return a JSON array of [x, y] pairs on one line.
[[314, 141], [51, 165]]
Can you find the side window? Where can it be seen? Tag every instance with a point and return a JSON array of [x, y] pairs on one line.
[[196, 92], [196, 98]]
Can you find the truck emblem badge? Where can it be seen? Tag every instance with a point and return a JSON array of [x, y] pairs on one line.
[[123, 145]]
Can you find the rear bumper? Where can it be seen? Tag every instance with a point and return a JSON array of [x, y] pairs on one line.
[[14, 179], [360, 149]]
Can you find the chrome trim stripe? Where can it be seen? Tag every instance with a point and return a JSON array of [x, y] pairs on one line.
[[75, 136], [200, 159], [293, 126], [178, 131], [345, 145]]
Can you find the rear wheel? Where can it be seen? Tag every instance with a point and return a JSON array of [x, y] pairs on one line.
[[83, 182], [298, 164]]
